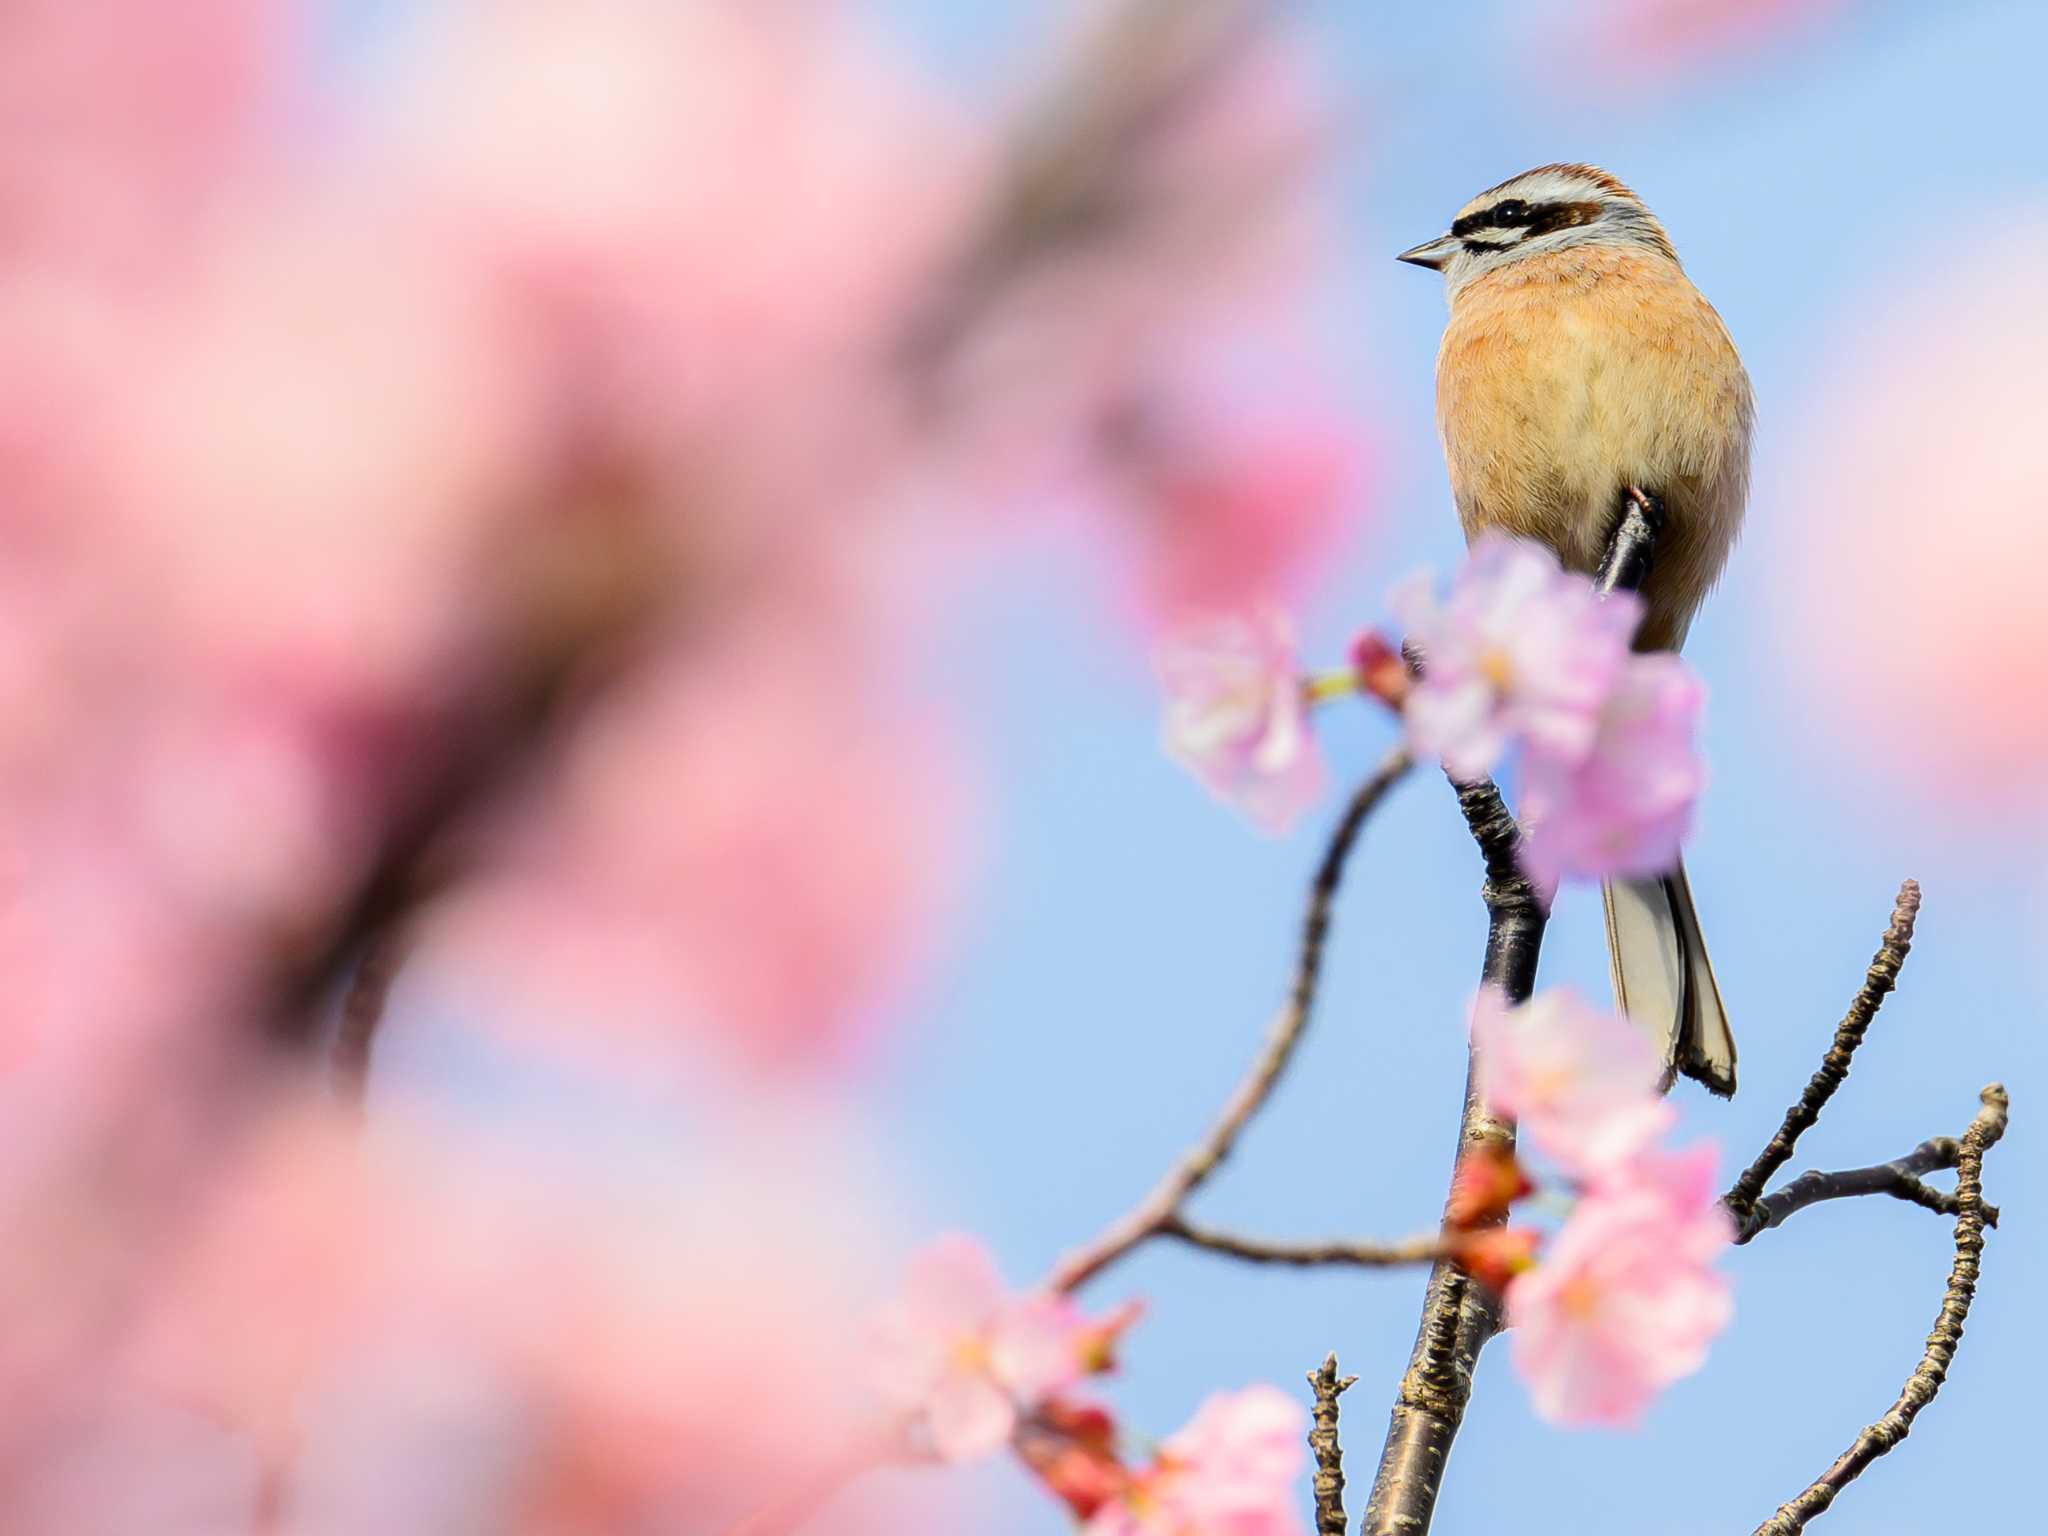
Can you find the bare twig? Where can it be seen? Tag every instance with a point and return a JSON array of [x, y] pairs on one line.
[[1899, 1178], [1255, 1250], [1834, 1067], [1458, 1317], [1926, 1380], [1152, 1214], [1330, 1517]]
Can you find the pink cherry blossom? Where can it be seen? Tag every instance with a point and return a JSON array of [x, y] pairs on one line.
[[1236, 483], [963, 1353], [1520, 650], [1231, 1471], [1582, 1081], [1237, 717], [1625, 1300], [1655, 40], [1626, 805]]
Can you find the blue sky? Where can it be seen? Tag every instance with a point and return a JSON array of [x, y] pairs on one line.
[[1128, 938]]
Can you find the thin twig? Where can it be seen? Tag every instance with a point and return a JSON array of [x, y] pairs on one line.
[[1459, 1317], [1927, 1378], [1256, 1250], [1330, 1517], [1899, 1178], [1151, 1214], [1883, 975]]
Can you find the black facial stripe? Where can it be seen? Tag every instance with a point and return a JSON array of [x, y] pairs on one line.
[[1529, 220], [1480, 247]]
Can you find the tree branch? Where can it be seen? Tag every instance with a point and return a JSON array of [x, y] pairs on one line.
[[1162, 1205], [1330, 1517], [1899, 1178], [1834, 1067], [1926, 1380], [362, 1013], [1255, 1250], [1459, 1316]]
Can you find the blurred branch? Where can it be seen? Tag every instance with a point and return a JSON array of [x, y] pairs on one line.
[[1458, 1316], [362, 1012], [579, 603], [1927, 1378], [1161, 1208], [1878, 982], [1899, 1178], [1330, 1517], [1074, 177], [1254, 1250]]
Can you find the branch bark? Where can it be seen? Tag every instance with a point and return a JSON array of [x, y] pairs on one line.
[[1878, 982], [1364, 1254], [1330, 1517], [1927, 1378], [1899, 1178], [1161, 1207], [1459, 1315]]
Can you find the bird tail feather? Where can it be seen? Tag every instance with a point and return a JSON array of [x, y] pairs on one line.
[[1664, 980]]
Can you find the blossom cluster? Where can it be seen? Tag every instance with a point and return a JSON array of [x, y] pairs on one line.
[[971, 1367], [478, 477], [1624, 1300], [1520, 658], [1524, 653]]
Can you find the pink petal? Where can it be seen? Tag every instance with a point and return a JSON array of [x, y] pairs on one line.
[[970, 1417]]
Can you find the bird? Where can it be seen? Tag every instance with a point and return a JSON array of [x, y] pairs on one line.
[[1580, 366]]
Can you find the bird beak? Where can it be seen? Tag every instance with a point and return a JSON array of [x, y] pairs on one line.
[[1431, 253]]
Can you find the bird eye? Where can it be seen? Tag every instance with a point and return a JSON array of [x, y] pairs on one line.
[[1513, 211]]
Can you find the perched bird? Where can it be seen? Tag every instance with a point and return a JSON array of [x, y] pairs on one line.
[[1580, 362]]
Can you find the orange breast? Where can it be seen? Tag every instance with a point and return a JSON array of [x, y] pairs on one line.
[[1567, 376]]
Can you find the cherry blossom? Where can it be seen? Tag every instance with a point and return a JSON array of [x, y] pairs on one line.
[[963, 1353], [1625, 1300], [1230, 1471], [1237, 715], [1520, 650], [1582, 1081], [1625, 806]]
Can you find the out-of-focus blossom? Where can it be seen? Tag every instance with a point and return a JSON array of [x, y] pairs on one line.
[[1654, 40], [584, 1346], [1520, 650], [1229, 1472], [749, 847], [1237, 715], [1235, 486], [1626, 806], [1625, 1300], [680, 201], [1485, 1183], [1907, 612], [963, 1353], [120, 124], [1581, 1081]]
